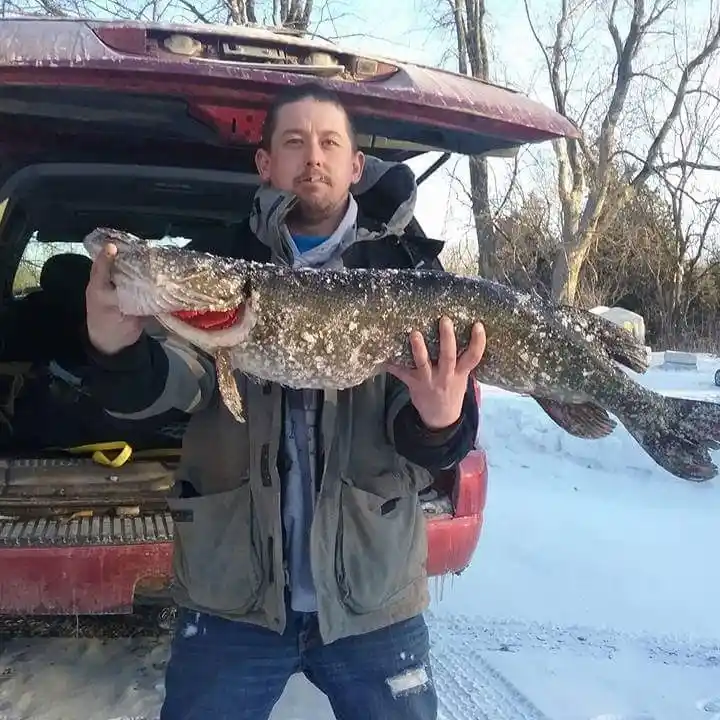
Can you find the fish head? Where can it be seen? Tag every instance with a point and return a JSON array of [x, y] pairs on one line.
[[203, 298]]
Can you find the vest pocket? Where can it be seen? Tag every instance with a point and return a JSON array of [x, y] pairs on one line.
[[217, 557], [381, 546]]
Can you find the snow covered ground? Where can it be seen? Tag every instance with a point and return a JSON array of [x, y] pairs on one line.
[[593, 595]]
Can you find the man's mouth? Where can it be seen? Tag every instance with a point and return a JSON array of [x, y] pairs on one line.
[[315, 180], [210, 320]]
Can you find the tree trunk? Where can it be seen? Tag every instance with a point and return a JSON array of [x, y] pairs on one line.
[[473, 60], [566, 272], [482, 215]]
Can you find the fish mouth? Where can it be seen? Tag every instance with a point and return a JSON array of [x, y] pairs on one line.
[[211, 320], [213, 329]]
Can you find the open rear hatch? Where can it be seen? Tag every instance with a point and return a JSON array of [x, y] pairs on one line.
[[153, 128], [193, 88]]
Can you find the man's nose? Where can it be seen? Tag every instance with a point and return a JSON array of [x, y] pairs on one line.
[[314, 154]]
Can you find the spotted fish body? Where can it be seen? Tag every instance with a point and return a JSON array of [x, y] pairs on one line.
[[306, 328]]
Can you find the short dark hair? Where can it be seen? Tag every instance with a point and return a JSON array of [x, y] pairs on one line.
[[295, 93]]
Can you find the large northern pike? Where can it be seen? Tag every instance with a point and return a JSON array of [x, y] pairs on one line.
[[307, 328]]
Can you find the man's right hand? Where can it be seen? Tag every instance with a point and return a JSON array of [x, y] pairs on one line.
[[108, 329]]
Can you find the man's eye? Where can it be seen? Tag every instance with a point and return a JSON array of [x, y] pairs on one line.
[[293, 141]]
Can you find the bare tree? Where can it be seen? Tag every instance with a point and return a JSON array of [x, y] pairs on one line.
[[632, 263], [290, 14], [588, 194], [526, 243], [293, 14], [460, 258], [468, 20], [694, 211]]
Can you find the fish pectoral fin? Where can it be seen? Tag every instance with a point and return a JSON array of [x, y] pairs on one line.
[[228, 386], [583, 420]]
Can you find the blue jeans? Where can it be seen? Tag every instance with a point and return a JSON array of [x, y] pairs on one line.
[[225, 670]]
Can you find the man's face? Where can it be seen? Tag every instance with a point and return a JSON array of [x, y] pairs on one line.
[[312, 156]]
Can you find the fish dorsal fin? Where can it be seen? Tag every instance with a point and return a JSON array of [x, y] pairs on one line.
[[618, 343]]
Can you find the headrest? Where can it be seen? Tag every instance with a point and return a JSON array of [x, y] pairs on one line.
[[65, 274]]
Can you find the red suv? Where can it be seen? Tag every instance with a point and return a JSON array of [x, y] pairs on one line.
[[152, 128]]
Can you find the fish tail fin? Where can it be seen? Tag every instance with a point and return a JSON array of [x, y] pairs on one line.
[[680, 438]]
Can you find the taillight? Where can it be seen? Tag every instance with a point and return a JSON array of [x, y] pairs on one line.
[[233, 124], [131, 40]]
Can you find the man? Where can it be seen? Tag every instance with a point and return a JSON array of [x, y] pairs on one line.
[[299, 541]]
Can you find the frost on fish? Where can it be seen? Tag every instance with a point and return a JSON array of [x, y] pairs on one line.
[[323, 329]]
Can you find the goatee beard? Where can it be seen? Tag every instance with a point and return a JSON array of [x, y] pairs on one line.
[[307, 214]]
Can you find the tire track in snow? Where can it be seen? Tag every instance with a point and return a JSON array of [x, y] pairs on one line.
[[514, 635], [469, 688]]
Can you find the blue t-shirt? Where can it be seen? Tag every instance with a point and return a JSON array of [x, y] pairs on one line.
[[308, 242]]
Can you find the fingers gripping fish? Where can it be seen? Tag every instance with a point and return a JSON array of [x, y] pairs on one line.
[[307, 328]]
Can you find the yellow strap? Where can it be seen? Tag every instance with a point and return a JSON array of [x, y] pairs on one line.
[[124, 453], [99, 450]]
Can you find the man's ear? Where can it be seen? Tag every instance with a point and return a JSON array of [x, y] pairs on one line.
[[358, 167], [262, 163]]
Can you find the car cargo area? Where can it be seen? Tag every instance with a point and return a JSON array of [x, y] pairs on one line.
[[69, 472]]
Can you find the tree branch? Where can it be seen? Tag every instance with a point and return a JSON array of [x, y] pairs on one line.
[[700, 59]]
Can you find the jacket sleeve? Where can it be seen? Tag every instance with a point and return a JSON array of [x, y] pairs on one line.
[[147, 379], [432, 449], [159, 373]]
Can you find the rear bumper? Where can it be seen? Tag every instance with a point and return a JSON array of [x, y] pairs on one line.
[[89, 580], [453, 540], [95, 566]]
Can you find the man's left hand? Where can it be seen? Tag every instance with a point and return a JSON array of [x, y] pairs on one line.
[[438, 391]]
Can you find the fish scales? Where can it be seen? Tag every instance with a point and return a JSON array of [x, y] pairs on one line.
[[337, 327]]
